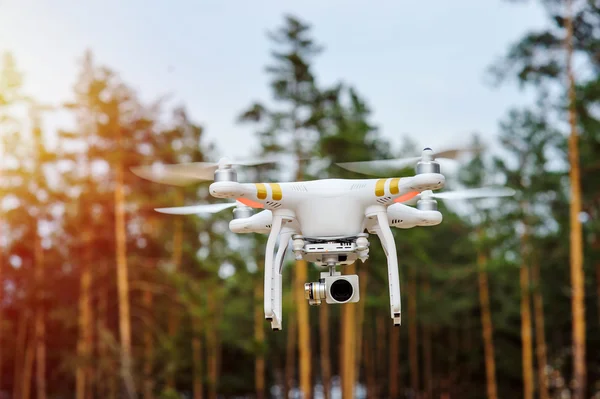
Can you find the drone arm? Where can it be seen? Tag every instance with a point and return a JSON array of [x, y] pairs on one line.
[[383, 231]]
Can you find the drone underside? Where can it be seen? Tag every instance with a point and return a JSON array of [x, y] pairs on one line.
[[328, 221]]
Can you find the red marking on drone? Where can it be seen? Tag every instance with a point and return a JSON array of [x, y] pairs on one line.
[[407, 196], [251, 204]]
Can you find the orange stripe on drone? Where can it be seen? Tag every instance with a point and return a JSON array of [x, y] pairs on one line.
[[407, 196], [250, 203]]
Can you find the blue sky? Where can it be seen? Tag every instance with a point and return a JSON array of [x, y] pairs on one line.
[[420, 65]]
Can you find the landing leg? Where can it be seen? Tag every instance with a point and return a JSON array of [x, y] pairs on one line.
[[276, 288], [383, 231], [272, 289]]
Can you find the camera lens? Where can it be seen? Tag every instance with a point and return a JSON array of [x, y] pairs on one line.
[[341, 290]]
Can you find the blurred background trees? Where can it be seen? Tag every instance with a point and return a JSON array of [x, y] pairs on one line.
[[102, 297]]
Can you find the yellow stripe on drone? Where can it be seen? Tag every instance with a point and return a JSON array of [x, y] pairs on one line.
[[394, 186], [380, 187], [261, 191], [276, 191]]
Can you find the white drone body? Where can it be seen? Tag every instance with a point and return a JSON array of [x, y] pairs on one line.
[[328, 221]]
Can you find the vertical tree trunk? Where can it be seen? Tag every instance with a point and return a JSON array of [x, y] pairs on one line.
[[213, 347], [486, 322], [453, 361], [348, 356], [197, 357], [1, 292], [84, 342], [576, 241], [363, 278], [427, 355], [259, 338], [28, 369], [380, 353], [123, 282], [40, 324], [20, 355], [105, 371], [290, 357], [148, 349], [370, 367], [598, 289], [394, 363], [325, 349], [413, 346], [527, 360], [540, 335], [303, 323], [173, 323]]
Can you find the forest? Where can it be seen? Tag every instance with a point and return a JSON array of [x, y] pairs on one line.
[[103, 297]]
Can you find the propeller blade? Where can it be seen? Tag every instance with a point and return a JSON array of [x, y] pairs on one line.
[[483, 192], [379, 166], [184, 174], [456, 152], [196, 209], [383, 166], [177, 174]]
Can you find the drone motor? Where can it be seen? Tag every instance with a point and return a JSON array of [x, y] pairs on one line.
[[427, 164]]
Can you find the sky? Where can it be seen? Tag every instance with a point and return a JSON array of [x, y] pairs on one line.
[[421, 66]]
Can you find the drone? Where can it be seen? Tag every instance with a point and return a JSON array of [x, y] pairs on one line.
[[327, 221]]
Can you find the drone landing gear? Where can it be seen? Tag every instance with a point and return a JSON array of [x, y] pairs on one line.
[[383, 231], [273, 266]]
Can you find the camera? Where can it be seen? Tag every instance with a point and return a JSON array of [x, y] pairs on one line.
[[333, 288]]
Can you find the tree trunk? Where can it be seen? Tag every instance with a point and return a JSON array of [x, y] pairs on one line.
[[598, 289], [427, 361], [488, 332], [453, 370], [360, 325], [527, 360], [540, 335], [1, 294], [259, 339], [290, 357], [576, 241], [394, 363], [302, 305], [82, 374], [380, 353], [197, 357], [348, 356], [325, 349], [370, 366], [413, 346], [40, 324], [20, 355], [123, 282], [28, 369], [213, 347], [105, 371], [148, 349], [173, 323]]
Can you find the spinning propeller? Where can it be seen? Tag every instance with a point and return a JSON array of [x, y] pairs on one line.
[[385, 166], [469, 193], [197, 209], [184, 174]]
